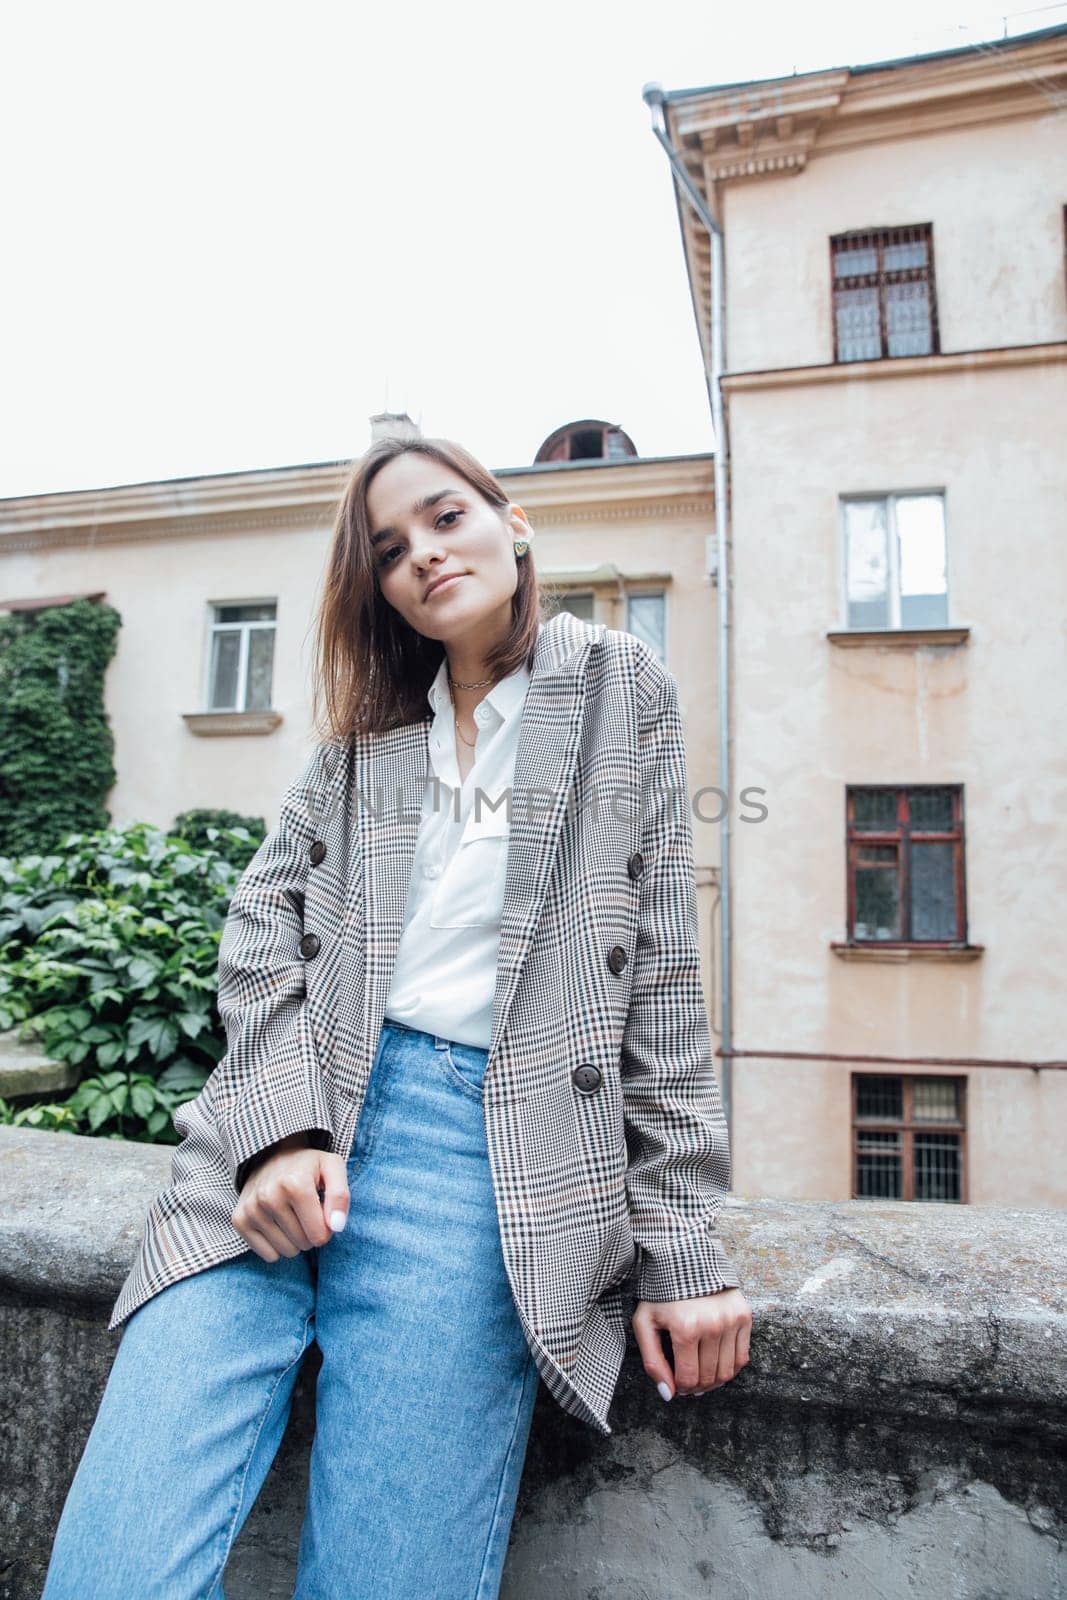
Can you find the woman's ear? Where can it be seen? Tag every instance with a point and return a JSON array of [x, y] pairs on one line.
[[519, 522]]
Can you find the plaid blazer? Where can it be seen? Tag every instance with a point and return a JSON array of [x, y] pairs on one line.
[[605, 1131]]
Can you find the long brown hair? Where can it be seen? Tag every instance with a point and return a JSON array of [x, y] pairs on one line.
[[373, 670]]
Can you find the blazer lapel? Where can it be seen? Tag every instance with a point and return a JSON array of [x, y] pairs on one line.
[[391, 770]]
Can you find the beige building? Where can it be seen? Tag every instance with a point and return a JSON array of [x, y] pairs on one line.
[[894, 321], [883, 957], [217, 580]]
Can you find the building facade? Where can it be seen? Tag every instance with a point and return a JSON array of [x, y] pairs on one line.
[[895, 390], [217, 580], [895, 393]]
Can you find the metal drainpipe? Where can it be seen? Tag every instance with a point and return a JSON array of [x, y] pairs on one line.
[[654, 98], [621, 585]]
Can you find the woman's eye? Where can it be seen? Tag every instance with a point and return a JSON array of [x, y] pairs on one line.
[[386, 558]]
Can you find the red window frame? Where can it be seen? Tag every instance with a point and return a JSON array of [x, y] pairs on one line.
[[908, 1126], [877, 239], [903, 836]]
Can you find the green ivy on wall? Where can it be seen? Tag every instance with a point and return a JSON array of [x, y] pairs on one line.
[[56, 744]]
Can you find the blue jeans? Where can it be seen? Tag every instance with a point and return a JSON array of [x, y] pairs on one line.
[[424, 1399]]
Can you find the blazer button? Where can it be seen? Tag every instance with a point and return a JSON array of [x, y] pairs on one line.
[[636, 864], [586, 1077], [316, 853], [309, 945], [617, 958]]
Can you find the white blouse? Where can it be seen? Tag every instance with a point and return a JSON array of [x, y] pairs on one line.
[[444, 978]]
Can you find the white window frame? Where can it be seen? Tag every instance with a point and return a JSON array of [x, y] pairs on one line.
[[889, 499], [215, 626], [560, 595], [657, 593]]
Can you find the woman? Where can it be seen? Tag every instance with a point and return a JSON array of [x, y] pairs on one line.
[[468, 1089]]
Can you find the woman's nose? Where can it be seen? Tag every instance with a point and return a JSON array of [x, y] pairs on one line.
[[422, 555]]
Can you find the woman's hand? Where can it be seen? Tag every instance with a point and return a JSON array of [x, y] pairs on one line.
[[709, 1338], [280, 1212]]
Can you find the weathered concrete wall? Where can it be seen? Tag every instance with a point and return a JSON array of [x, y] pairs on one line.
[[899, 1429]]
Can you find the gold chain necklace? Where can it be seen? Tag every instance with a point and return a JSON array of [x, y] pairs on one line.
[[454, 683]]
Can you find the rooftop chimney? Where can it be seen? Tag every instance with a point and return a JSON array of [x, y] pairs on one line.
[[393, 425]]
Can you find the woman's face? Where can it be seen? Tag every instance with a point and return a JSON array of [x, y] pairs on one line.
[[426, 523]]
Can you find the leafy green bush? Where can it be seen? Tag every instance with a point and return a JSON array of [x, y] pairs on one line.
[[196, 828], [109, 961]]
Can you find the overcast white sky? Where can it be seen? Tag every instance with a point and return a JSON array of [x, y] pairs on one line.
[[233, 231]]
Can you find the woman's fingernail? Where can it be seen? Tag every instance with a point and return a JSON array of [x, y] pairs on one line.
[[664, 1389], [338, 1220]]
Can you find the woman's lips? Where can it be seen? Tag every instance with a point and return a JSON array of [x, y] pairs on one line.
[[439, 588]]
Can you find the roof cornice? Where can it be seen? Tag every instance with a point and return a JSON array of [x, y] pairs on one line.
[[746, 132], [179, 508], [299, 498], [775, 125]]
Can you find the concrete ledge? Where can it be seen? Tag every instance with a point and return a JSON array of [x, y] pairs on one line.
[[898, 1428], [26, 1071]]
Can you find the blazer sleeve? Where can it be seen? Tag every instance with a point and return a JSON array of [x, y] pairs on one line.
[[269, 1083], [678, 1146]]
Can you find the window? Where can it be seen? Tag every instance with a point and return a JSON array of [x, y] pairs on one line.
[[646, 612], [896, 570], [241, 671], [883, 293], [905, 865], [907, 1137], [588, 439], [646, 616], [579, 602]]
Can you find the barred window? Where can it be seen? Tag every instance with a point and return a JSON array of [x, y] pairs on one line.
[[883, 293], [908, 1137], [905, 865]]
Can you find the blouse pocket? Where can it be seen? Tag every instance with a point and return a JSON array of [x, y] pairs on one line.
[[471, 891]]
